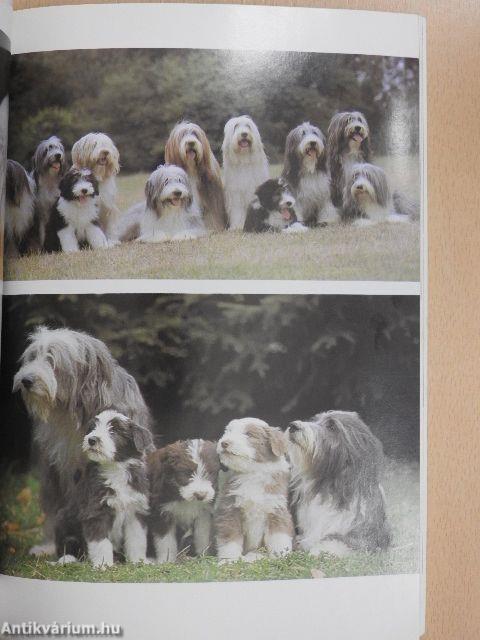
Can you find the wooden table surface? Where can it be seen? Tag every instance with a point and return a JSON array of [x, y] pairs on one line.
[[453, 558]]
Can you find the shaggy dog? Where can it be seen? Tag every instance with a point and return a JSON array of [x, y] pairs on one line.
[[272, 209], [66, 378], [367, 199], [49, 165], [74, 218], [169, 212], [19, 211], [97, 152], [183, 482], [188, 147], [348, 142], [337, 499], [252, 508], [305, 170], [245, 167]]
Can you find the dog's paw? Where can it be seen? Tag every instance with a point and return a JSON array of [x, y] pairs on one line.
[[66, 559], [45, 549], [296, 227], [252, 556]]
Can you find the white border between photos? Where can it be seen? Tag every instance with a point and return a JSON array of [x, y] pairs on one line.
[[217, 27]]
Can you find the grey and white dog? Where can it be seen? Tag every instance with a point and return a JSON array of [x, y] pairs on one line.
[[305, 170], [336, 496], [49, 165], [66, 378], [19, 210]]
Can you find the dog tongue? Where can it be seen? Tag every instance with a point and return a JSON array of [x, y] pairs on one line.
[[357, 137], [286, 215], [191, 153], [56, 166], [243, 143]]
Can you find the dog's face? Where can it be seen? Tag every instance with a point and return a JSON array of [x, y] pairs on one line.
[[97, 152], [353, 128], [188, 470], [78, 185], [190, 143], [368, 183], [308, 142], [275, 195], [249, 444], [242, 135], [113, 437], [168, 187], [49, 157]]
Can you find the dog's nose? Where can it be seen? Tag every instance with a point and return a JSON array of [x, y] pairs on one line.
[[27, 382], [58, 156], [359, 187], [92, 441], [292, 427], [244, 134], [84, 191], [177, 194], [288, 203], [224, 444], [358, 129], [200, 495]]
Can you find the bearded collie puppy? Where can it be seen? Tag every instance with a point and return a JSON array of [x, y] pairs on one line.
[[74, 218], [367, 199], [252, 506], [110, 499], [19, 211], [305, 170], [188, 147], [338, 502], [245, 167], [169, 212], [183, 483], [49, 166], [97, 152], [272, 209], [348, 143]]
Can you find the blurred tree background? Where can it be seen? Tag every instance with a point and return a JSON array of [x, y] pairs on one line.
[[137, 95], [201, 360]]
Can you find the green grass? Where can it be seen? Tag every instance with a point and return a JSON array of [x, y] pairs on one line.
[[381, 252], [21, 527]]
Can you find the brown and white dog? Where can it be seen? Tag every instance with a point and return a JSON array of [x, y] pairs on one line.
[[188, 147], [252, 506], [97, 152], [183, 482]]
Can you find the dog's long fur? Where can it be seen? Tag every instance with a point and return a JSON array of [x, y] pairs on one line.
[[336, 495], [252, 507], [19, 210], [245, 167], [97, 152], [305, 170], [367, 198], [183, 483], [188, 147], [66, 378], [169, 212], [74, 220], [348, 142], [49, 166], [272, 209]]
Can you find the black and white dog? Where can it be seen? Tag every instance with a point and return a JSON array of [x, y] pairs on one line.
[[336, 496], [272, 209], [110, 500], [19, 210], [49, 165], [305, 170], [74, 217]]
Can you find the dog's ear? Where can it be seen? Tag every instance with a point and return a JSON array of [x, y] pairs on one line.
[[150, 194], [142, 438], [277, 441]]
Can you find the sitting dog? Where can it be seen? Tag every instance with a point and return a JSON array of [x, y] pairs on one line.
[[252, 507], [74, 218], [272, 209], [111, 497], [336, 495], [169, 212], [367, 199], [19, 210], [183, 481]]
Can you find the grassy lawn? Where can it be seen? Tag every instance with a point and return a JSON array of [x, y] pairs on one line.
[[22, 519], [381, 252]]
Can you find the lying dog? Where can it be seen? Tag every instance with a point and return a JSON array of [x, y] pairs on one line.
[[336, 494], [252, 509], [272, 209], [111, 497], [183, 480]]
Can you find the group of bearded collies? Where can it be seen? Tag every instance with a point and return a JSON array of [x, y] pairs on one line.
[[325, 179]]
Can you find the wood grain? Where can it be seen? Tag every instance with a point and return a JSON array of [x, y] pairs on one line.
[[453, 27]]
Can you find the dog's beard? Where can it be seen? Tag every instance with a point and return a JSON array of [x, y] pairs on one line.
[[38, 405]]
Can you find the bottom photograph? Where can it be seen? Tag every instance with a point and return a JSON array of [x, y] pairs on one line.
[[197, 438]]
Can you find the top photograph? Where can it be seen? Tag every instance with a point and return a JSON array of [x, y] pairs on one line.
[[213, 164]]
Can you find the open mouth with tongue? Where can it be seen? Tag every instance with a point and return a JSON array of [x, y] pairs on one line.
[[358, 137], [82, 198], [56, 166], [244, 143], [191, 153], [175, 201], [312, 151], [286, 213], [102, 161]]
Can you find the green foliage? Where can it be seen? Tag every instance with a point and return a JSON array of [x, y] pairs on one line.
[[136, 96]]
